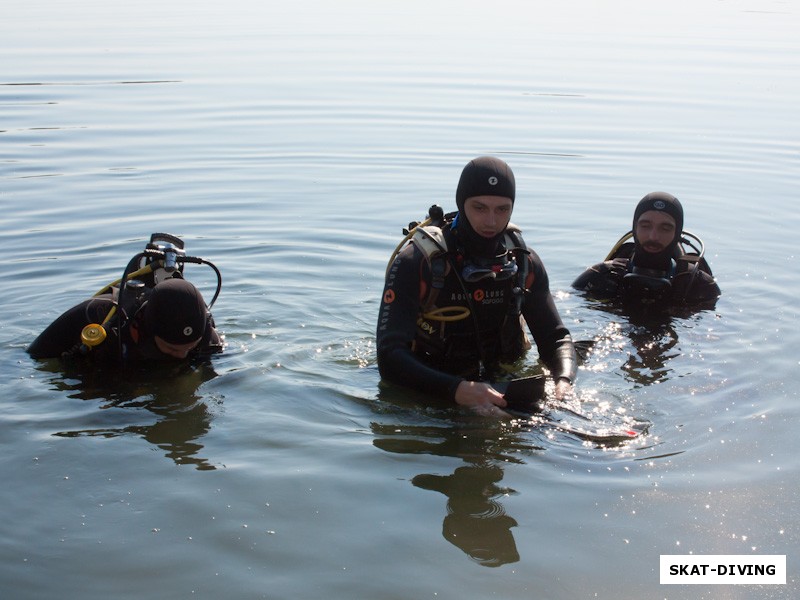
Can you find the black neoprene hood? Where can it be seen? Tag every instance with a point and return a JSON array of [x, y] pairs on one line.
[[485, 176], [176, 312]]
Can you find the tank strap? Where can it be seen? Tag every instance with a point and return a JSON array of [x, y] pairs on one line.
[[431, 242]]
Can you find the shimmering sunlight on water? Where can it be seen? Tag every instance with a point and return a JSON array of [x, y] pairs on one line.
[[290, 144]]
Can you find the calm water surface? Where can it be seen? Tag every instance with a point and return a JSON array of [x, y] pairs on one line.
[[290, 145]]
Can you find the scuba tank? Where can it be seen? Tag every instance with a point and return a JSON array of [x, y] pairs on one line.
[[163, 257]]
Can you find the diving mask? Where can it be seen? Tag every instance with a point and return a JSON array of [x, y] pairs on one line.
[[499, 271]]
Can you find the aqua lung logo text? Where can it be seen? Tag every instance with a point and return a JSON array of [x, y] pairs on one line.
[[481, 296]]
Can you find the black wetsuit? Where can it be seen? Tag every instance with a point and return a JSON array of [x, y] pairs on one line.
[[691, 283], [435, 356], [63, 336]]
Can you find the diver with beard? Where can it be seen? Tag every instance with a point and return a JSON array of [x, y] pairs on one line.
[[456, 296], [157, 317], [663, 267]]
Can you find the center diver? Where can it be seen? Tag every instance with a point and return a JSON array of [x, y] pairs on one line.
[[456, 295], [150, 314]]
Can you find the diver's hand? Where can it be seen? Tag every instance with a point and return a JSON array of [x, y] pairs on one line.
[[563, 389], [482, 398]]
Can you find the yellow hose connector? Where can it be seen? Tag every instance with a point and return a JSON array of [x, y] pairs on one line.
[[93, 335]]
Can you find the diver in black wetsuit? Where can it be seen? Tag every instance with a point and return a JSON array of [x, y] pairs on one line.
[[158, 317], [455, 298], [655, 272]]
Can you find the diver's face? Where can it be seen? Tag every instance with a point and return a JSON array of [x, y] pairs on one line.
[[655, 230], [175, 350], [488, 215]]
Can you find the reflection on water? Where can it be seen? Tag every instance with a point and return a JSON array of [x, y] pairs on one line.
[[168, 392], [653, 341], [654, 347], [649, 349], [475, 520]]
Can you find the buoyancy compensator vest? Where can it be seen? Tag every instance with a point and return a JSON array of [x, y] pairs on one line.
[[647, 287], [438, 245]]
